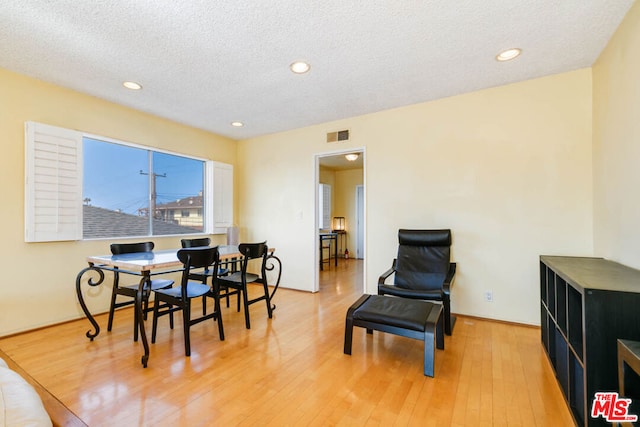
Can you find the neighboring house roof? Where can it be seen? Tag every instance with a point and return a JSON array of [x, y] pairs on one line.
[[187, 202], [100, 222]]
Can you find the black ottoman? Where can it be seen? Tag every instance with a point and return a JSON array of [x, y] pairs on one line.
[[400, 316]]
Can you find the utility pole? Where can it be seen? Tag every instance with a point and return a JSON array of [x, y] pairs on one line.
[[152, 202]]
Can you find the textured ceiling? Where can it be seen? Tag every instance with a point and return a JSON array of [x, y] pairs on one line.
[[340, 163], [207, 63]]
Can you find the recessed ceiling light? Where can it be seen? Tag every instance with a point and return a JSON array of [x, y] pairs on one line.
[[300, 67], [132, 85], [508, 54], [237, 124]]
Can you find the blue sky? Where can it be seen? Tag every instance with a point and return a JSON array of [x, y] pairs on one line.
[[112, 177]]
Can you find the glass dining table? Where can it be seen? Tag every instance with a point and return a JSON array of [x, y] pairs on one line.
[[145, 265]]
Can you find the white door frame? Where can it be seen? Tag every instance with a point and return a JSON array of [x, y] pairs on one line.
[[316, 233]]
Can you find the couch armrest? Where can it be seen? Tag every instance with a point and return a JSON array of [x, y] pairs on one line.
[[60, 415]]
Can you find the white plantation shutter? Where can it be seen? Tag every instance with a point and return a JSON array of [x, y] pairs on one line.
[[53, 183], [324, 206], [219, 197]]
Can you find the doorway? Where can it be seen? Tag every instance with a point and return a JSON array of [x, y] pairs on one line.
[[346, 213]]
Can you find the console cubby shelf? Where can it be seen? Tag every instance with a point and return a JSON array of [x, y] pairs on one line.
[[586, 305]]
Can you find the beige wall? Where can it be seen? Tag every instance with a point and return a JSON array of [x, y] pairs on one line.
[[508, 169], [327, 176], [616, 144], [38, 286]]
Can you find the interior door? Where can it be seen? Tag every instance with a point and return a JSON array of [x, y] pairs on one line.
[[360, 221]]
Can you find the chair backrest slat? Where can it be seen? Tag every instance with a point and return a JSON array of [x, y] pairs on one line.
[[195, 243], [130, 248], [253, 250], [198, 257]]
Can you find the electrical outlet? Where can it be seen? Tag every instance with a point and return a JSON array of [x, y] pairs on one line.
[[488, 296]]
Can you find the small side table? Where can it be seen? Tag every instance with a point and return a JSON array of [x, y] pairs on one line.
[[328, 236], [342, 243]]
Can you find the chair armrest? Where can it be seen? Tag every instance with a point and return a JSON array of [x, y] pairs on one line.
[[383, 277], [448, 281]]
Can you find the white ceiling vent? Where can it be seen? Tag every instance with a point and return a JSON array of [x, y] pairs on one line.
[[341, 135]]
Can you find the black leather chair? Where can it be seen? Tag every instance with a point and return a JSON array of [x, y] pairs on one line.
[[239, 279], [423, 270], [130, 291], [204, 274], [179, 298]]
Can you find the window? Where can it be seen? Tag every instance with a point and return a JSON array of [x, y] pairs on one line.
[[81, 186], [131, 191]]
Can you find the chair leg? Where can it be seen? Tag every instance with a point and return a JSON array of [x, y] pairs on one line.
[[170, 318], [440, 333], [433, 338], [218, 316], [204, 303], [348, 328], [267, 299], [348, 334], [245, 300], [111, 310], [186, 320], [154, 328], [429, 352], [446, 305]]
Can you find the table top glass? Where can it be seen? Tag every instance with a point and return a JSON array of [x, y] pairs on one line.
[[146, 261]]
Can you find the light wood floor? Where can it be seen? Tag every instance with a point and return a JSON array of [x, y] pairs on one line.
[[291, 370]]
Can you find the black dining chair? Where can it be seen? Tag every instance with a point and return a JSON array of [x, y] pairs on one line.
[[204, 274], [179, 298], [131, 290], [240, 279]]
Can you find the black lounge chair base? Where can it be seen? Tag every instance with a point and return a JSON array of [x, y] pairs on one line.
[[416, 319]]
